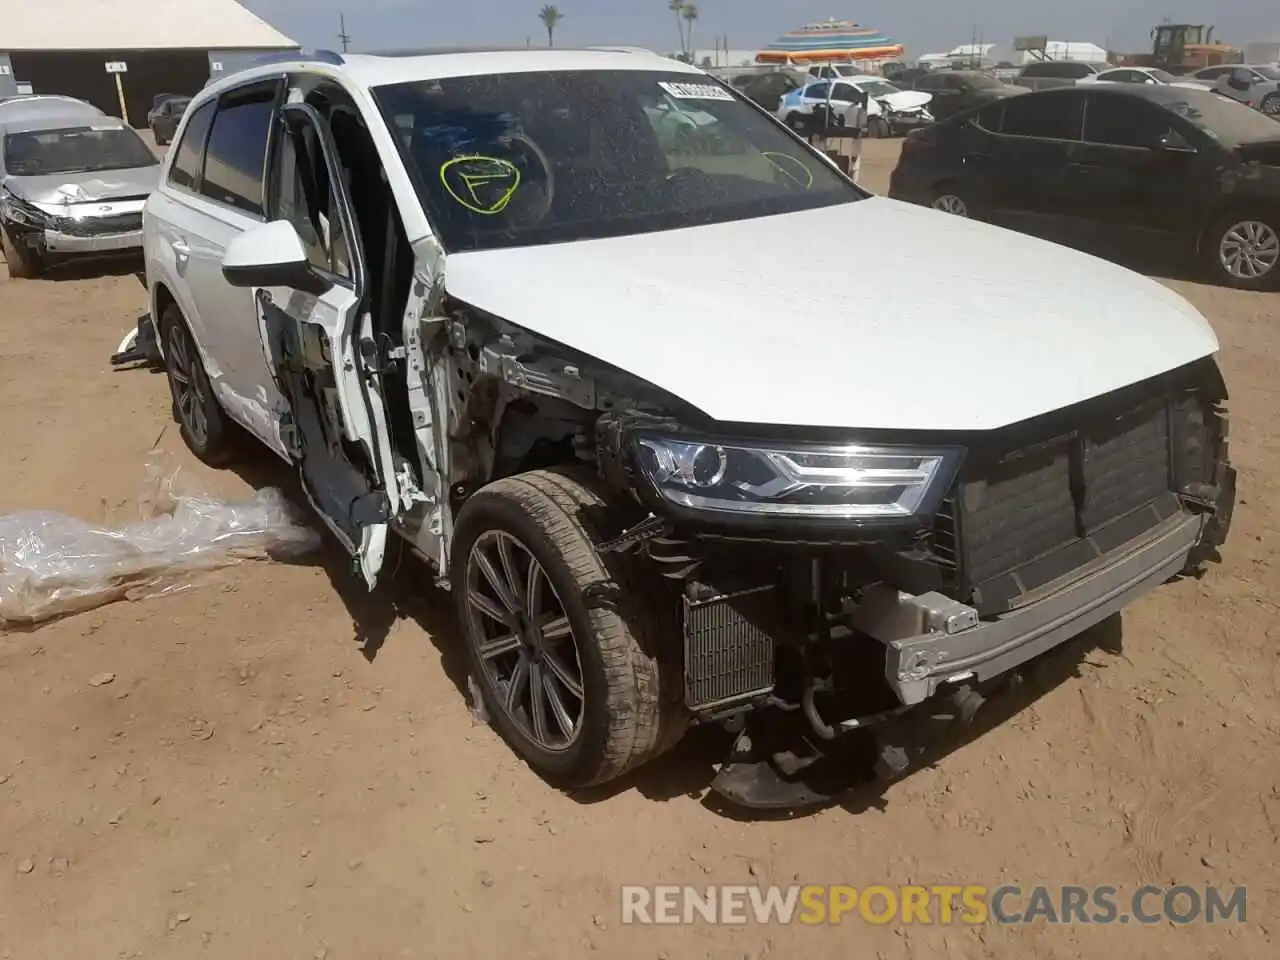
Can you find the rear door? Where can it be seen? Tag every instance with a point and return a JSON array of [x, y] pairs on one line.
[[217, 180], [1133, 169], [1037, 130], [320, 347]]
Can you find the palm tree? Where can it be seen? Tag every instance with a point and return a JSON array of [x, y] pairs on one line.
[[690, 14], [550, 15], [677, 7]]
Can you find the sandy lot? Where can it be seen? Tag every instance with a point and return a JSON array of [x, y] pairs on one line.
[[285, 767]]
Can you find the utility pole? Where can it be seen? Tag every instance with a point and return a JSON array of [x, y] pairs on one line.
[[343, 37]]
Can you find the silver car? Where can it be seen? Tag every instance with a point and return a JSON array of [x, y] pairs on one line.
[[1255, 84], [70, 185]]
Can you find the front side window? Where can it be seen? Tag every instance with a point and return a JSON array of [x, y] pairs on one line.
[[817, 91], [185, 170], [67, 150], [505, 160], [1046, 116], [1125, 121], [305, 197], [235, 158]]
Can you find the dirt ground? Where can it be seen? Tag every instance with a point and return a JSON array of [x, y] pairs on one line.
[[285, 767]]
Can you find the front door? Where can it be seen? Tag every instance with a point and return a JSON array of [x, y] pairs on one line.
[[319, 344], [1132, 170]]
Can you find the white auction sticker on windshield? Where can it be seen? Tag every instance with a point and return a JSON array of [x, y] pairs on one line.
[[695, 91]]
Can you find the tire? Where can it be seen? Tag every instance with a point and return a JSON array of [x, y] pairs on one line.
[[1259, 234], [24, 263], [795, 121], [951, 198], [206, 429], [878, 128], [160, 140], [1270, 105], [619, 622]]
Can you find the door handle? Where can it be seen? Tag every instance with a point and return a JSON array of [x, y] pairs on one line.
[[180, 249]]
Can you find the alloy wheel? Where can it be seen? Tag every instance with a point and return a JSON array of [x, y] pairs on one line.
[[1249, 250], [189, 387], [524, 642], [950, 203]]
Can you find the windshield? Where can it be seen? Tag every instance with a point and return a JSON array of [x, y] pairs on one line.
[[505, 160], [37, 153], [1271, 73], [878, 88], [1224, 119]]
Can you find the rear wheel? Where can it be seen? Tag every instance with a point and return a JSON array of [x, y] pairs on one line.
[[24, 263], [205, 428], [1243, 250], [159, 137], [950, 198], [565, 645]]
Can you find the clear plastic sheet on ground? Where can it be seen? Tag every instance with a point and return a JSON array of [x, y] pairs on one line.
[[52, 565]]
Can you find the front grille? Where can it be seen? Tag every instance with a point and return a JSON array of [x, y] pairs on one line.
[[1037, 504], [101, 226]]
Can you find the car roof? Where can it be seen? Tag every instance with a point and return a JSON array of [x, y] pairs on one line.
[[32, 106], [372, 70]]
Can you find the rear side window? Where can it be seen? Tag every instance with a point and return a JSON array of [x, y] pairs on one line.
[[235, 159], [185, 170], [1036, 70], [1056, 116]]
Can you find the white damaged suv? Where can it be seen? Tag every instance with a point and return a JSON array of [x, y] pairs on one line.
[[491, 303]]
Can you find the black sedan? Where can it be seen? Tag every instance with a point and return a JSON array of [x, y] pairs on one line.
[[164, 118], [955, 91], [1093, 164]]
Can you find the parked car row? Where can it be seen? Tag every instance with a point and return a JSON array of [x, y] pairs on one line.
[[72, 182], [1090, 162]]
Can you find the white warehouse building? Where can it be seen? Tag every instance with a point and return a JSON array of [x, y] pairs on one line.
[[165, 46]]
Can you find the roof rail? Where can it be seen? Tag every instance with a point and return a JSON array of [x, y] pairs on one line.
[[301, 56]]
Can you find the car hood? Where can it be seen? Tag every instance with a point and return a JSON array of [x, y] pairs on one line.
[[982, 328], [906, 99], [72, 188]]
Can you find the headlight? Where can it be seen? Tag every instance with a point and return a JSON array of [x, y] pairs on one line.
[[19, 211], [819, 481]]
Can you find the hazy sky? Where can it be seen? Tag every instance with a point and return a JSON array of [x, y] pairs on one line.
[[925, 26]]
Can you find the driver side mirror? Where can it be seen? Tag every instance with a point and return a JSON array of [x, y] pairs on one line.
[[271, 255], [1175, 143]]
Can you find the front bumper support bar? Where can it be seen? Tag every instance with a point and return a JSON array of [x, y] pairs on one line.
[[954, 647]]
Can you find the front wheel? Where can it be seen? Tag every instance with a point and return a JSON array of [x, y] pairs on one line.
[[878, 128], [24, 263], [566, 648], [1270, 105], [1243, 250]]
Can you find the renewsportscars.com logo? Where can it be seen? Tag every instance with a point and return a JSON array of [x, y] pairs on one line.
[[941, 904]]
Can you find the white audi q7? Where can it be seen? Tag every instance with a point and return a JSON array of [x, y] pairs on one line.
[[490, 303]]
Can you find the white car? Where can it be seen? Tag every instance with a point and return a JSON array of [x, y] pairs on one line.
[[478, 304], [1150, 76], [888, 110]]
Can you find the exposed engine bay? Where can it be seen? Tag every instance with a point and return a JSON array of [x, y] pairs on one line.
[[800, 629]]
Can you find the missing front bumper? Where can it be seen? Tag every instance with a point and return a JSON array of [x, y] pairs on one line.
[[952, 650]]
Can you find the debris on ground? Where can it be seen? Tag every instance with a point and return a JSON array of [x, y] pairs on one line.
[[52, 565]]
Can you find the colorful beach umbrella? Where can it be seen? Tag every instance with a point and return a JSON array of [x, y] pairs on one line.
[[830, 40]]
